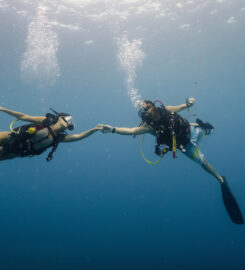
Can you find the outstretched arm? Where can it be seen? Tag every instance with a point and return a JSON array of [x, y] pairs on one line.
[[189, 102], [22, 116], [128, 131], [81, 136]]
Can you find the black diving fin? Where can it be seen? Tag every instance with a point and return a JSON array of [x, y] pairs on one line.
[[231, 204]]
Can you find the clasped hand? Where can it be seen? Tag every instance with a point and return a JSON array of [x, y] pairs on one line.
[[104, 128]]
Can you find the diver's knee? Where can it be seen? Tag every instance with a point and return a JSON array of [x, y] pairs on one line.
[[204, 163]]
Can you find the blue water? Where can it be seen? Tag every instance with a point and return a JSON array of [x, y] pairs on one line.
[[97, 205]]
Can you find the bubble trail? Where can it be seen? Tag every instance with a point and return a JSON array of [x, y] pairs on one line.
[[130, 57]]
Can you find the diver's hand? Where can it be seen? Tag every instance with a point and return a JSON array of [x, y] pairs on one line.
[[190, 102], [99, 127], [107, 128]]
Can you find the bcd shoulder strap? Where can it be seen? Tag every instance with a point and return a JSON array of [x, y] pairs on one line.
[[56, 140]]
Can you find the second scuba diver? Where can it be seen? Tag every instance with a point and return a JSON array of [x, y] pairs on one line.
[[174, 132], [42, 133]]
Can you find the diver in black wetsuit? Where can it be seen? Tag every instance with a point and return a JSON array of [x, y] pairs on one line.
[[41, 133], [175, 132]]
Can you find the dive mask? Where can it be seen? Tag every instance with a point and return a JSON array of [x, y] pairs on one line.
[[67, 119], [143, 113]]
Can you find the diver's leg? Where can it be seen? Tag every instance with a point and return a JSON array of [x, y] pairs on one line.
[[4, 135], [229, 200], [1, 153], [5, 156], [193, 152], [210, 169]]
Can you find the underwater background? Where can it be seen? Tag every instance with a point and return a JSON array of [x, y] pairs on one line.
[[98, 205]]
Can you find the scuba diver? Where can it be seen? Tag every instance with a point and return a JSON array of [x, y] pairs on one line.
[[174, 132], [43, 132]]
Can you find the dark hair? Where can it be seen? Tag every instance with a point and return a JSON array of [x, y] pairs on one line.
[[148, 102], [52, 119], [156, 112]]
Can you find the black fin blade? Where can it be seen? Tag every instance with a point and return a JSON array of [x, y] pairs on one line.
[[231, 204]]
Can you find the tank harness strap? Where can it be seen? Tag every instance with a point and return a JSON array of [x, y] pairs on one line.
[[174, 146], [50, 155], [56, 141]]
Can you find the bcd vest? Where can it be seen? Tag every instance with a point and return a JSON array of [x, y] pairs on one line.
[[22, 143], [169, 125]]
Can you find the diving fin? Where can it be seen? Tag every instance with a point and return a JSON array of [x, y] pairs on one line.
[[231, 204]]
